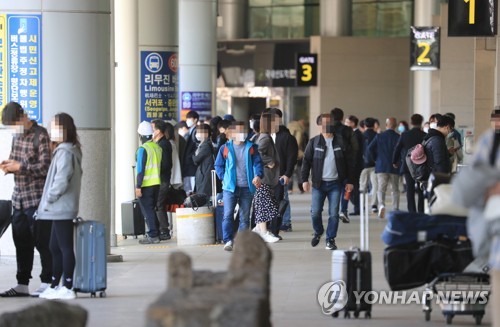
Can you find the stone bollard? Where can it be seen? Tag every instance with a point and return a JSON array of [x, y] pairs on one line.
[[237, 298], [46, 314]]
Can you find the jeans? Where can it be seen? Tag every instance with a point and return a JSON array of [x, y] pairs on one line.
[[331, 190], [344, 204], [243, 198], [147, 202], [28, 234], [287, 216], [279, 194]]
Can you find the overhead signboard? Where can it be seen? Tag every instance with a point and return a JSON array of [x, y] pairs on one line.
[[201, 102], [159, 85], [21, 62], [424, 48], [307, 69], [472, 17]]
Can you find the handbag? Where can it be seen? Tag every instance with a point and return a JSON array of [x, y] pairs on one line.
[[197, 200], [441, 203]]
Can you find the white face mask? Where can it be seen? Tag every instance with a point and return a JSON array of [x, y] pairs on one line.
[[433, 125], [56, 134], [17, 130], [239, 137], [200, 138], [190, 122], [426, 129]]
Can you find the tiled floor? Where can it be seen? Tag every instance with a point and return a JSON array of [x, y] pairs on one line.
[[298, 271]]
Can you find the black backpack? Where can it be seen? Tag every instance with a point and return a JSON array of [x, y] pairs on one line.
[[419, 172]]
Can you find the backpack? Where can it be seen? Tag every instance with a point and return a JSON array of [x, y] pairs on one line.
[[419, 171], [225, 152]]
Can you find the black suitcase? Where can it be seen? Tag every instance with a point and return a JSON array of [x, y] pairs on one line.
[[354, 268], [133, 223], [5, 215]]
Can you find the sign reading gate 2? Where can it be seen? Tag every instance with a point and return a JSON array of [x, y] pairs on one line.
[[21, 62], [424, 48], [307, 69], [158, 85]]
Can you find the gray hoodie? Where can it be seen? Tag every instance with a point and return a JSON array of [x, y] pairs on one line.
[[61, 193]]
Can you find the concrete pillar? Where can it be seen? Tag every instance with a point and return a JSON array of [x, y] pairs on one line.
[[76, 80], [197, 46], [139, 25], [335, 17], [233, 15], [422, 88]]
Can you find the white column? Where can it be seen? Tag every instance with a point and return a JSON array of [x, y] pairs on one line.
[[422, 87], [335, 17], [197, 46]]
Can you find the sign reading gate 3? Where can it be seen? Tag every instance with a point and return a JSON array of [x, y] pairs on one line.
[[307, 69], [424, 48], [472, 17]]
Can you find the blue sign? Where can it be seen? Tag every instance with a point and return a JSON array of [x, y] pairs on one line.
[[159, 85], [23, 63], [197, 101]]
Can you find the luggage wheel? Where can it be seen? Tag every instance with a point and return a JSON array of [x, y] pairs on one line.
[[368, 315], [102, 294], [478, 319], [92, 294], [449, 319], [347, 315], [356, 314], [135, 237], [335, 314], [427, 315], [124, 237]]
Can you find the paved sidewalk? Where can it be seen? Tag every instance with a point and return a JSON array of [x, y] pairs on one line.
[[298, 271]]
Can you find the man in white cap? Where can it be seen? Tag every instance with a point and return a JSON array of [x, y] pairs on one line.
[[148, 157]]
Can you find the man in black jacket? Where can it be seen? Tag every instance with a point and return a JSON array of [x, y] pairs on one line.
[[368, 172], [327, 160], [438, 156], [188, 166], [406, 141], [288, 151], [352, 121], [348, 143], [159, 127]]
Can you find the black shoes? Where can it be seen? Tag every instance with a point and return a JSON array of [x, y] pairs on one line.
[[330, 245], [344, 217], [165, 236], [315, 240]]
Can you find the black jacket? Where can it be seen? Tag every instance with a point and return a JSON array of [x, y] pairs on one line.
[[406, 141], [288, 151], [314, 156], [368, 137], [359, 154], [188, 166], [437, 152], [348, 142], [204, 159], [166, 160]]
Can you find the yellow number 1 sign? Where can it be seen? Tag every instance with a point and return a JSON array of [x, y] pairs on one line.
[[472, 11]]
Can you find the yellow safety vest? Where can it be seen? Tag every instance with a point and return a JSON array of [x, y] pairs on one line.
[[153, 161]]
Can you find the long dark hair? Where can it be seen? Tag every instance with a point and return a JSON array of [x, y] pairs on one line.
[[68, 125]]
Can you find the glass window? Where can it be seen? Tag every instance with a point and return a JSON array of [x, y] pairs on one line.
[[388, 18], [288, 22], [260, 23]]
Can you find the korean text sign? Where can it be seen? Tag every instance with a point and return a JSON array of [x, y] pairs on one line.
[[21, 62], [159, 85]]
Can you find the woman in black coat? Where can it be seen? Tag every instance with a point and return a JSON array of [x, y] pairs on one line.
[[204, 160]]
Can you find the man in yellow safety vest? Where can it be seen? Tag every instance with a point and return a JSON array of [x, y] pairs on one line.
[[148, 163]]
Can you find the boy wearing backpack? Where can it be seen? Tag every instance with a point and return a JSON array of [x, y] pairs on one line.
[[239, 166]]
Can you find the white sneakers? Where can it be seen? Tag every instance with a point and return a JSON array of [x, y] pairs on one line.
[[381, 212], [269, 237], [228, 246], [43, 287], [58, 293]]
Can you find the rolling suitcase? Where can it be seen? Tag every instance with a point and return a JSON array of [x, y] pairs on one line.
[[354, 268], [133, 223], [5, 215], [90, 270]]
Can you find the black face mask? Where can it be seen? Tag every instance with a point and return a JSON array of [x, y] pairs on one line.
[[329, 129]]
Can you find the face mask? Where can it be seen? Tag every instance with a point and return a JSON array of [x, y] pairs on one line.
[[239, 137], [189, 123], [18, 130], [401, 128], [433, 125], [329, 129], [200, 138], [426, 129], [56, 135], [252, 123]]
